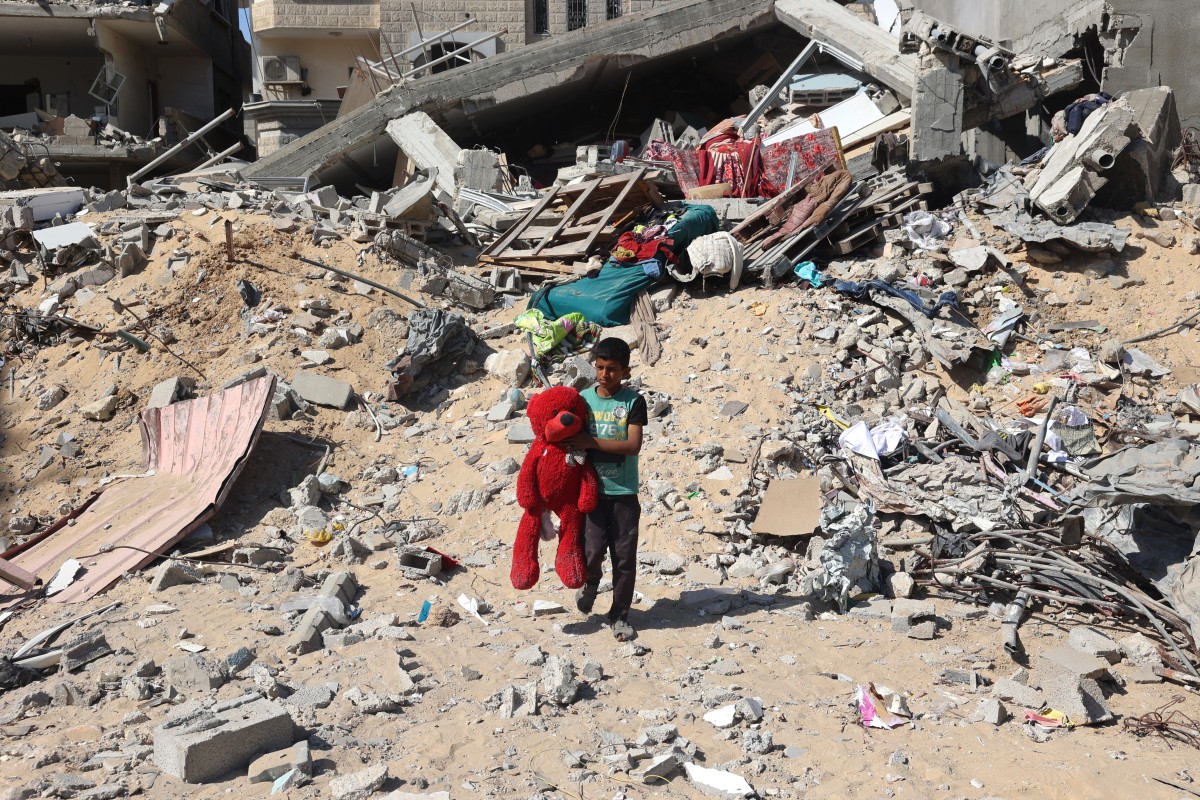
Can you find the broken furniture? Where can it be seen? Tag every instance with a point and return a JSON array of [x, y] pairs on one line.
[[594, 212]]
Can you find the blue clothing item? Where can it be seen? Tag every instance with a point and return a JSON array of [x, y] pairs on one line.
[[859, 290]]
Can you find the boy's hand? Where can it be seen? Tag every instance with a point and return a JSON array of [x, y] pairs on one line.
[[580, 441]]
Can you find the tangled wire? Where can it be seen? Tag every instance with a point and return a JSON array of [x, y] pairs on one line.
[[1167, 724]]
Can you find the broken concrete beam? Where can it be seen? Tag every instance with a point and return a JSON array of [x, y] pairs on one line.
[[556, 65], [427, 147], [1075, 168], [827, 21], [198, 745], [321, 390], [478, 169], [937, 108]]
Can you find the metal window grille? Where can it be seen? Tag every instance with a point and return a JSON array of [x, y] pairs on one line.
[[576, 14], [613, 8], [541, 16]]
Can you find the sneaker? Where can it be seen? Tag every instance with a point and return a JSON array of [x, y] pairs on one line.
[[585, 598], [623, 631]]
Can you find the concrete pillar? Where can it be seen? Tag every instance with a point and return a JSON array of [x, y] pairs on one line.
[[937, 108]]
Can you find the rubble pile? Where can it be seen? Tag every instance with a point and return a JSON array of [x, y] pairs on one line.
[[907, 467]]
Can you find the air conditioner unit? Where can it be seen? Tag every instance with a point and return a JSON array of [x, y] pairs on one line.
[[281, 69]]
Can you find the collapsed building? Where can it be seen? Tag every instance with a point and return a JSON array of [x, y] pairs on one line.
[[92, 86]]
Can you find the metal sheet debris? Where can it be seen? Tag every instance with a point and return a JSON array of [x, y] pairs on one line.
[[193, 451]]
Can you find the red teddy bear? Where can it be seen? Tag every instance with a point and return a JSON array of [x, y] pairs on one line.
[[553, 479]]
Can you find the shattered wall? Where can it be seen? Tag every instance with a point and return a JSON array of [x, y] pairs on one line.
[[1152, 43], [1148, 42], [1045, 27]]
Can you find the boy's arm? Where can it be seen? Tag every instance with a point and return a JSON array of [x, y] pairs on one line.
[[630, 446]]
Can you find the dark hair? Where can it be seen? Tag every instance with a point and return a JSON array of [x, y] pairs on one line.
[[612, 349]]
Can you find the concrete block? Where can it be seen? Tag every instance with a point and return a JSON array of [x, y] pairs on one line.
[[341, 585], [307, 637], [419, 562], [1095, 643], [321, 390], [174, 573], [1018, 693], [521, 433], [1073, 662], [518, 700], [277, 764], [907, 612], [658, 768], [501, 412], [170, 391], [191, 672], [990, 711], [509, 366], [358, 785], [197, 746], [578, 372], [84, 649], [1081, 699]]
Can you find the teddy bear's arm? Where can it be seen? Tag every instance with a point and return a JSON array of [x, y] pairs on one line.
[[527, 493], [589, 490]]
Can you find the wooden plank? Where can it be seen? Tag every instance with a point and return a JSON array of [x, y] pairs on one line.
[[571, 212], [21, 578], [514, 232], [636, 177]]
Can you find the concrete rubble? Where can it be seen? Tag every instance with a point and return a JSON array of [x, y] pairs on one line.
[[968, 379]]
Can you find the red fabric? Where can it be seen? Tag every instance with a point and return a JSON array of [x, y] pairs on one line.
[[548, 482]]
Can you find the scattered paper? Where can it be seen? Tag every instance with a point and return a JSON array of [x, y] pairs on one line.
[[471, 606]]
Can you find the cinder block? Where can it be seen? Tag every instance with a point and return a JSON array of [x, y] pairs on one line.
[[307, 638], [341, 585], [199, 746], [419, 560]]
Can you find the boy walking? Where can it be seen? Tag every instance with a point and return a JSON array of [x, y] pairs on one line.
[[616, 415]]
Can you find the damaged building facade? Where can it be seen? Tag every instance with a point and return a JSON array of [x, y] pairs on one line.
[[309, 55], [149, 71], [1130, 45]]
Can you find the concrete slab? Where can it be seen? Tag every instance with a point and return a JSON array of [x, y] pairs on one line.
[[428, 147], [322, 390]]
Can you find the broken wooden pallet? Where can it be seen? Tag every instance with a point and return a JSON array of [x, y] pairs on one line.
[[593, 212]]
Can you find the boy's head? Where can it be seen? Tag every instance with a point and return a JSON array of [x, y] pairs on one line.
[[611, 357]]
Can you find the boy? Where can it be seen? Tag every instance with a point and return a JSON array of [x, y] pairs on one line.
[[616, 415]]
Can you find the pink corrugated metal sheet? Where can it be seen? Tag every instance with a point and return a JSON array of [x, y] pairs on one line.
[[196, 449]]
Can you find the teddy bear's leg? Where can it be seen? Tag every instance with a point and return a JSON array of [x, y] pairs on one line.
[[569, 562], [525, 570]]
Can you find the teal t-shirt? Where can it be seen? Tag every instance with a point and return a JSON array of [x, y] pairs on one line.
[[610, 418]]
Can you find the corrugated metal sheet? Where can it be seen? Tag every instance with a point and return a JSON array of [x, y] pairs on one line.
[[196, 449]]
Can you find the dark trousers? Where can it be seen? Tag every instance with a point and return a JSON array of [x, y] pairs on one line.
[[612, 529]]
